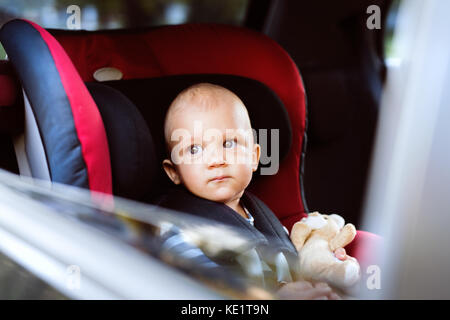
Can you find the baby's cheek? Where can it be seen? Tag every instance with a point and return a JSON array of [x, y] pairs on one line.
[[245, 174], [189, 175]]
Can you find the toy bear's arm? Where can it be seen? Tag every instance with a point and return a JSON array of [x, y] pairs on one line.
[[300, 231], [344, 237]]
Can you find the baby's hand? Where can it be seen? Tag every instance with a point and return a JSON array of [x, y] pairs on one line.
[[340, 254], [304, 290]]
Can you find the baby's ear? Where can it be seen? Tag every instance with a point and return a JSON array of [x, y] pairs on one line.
[[171, 171], [255, 156]]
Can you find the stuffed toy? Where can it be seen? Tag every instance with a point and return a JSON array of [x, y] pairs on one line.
[[316, 238]]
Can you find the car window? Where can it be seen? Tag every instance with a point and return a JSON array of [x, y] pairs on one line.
[[19, 283], [139, 225], [391, 56], [2, 53], [114, 14]]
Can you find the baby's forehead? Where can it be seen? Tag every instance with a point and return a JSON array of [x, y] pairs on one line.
[[207, 102], [208, 97], [210, 101], [218, 116]]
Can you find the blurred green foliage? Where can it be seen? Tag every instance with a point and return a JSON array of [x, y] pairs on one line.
[[126, 13], [2, 53], [391, 21]]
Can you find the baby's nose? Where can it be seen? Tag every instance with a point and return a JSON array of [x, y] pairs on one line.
[[215, 157]]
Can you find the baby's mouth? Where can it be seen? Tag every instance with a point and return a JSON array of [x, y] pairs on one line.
[[219, 178]]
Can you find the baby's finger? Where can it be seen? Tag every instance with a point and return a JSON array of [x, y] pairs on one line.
[[321, 285], [317, 293], [334, 296], [301, 285], [340, 254]]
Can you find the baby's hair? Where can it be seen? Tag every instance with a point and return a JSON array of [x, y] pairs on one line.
[[203, 94]]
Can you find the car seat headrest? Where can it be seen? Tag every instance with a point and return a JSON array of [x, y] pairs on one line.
[[131, 148]]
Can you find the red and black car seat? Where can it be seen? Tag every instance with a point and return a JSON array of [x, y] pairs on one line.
[[108, 136], [152, 61]]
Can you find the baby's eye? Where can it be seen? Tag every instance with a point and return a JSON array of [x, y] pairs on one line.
[[229, 144], [195, 148]]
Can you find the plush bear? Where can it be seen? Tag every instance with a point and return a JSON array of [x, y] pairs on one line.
[[316, 238]]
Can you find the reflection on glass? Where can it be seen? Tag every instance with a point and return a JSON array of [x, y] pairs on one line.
[[18, 283], [140, 226]]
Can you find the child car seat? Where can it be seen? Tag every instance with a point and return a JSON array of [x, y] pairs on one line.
[[150, 66]]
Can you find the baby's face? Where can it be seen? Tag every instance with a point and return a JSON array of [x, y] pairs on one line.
[[212, 150]]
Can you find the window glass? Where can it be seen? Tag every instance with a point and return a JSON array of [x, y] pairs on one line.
[[150, 230], [391, 20], [18, 283]]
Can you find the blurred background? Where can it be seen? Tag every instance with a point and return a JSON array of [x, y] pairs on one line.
[[117, 14], [114, 14]]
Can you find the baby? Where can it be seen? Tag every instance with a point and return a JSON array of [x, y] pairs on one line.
[[212, 157], [209, 136]]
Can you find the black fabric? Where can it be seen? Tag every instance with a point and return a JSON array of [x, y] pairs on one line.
[[343, 70], [8, 159], [36, 70], [131, 148], [267, 234], [153, 96]]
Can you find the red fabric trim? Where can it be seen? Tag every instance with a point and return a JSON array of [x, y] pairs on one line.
[[197, 48], [291, 219], [8, 92], [88, 122], [365, 248]]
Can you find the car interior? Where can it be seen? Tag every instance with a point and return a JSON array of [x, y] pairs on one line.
[[86, 108]]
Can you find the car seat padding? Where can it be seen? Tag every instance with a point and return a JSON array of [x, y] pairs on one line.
[[69, 122], [131, 147]]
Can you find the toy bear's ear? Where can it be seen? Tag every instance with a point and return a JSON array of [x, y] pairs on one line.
[[338, 219], [299, 233], [315, 220]]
